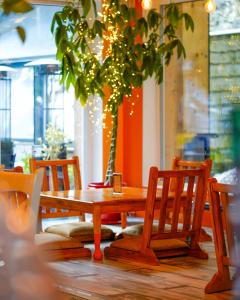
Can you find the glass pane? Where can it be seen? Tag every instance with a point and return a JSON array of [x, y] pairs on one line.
[[39, 41], [5, 92], [186, 126], [5, 119], [224, 75], [55, 118], [22, 103], [54, 91], [225, 18]]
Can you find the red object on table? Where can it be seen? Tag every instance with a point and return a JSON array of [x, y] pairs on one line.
[[111, 218]]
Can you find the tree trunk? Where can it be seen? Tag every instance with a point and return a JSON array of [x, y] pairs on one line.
[[112, 153]]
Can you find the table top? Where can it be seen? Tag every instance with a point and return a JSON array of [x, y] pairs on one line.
[[98, 196]]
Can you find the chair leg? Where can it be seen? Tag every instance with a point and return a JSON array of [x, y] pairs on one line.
[[204, 236], [220, 282], [82, 217], [197, 252]]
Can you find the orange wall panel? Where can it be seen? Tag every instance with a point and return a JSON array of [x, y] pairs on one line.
[[129, 140]]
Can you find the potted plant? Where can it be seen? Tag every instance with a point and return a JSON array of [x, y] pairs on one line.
[[116, 51], [134, 51], [7, 153]]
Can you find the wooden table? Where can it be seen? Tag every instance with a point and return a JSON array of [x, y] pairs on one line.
[[97, 202]]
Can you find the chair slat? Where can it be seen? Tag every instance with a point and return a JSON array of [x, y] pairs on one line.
[[66, 183], [54, 177], [163, 205], [176, 203], [52, 181], [224, 198], [187, 210]]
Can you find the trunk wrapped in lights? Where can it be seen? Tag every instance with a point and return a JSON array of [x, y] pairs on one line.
[[126, 61]]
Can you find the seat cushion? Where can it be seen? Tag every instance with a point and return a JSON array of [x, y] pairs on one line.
[[82, 231], [138, 230], [50, 241], [133, 243]]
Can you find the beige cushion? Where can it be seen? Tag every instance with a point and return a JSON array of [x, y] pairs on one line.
[[134, 244], [138, 230], [82, 231], [49, 241]]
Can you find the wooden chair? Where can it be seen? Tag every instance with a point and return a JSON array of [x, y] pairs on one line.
[[21, 193], [179, 164], [180, 239], [221, 196], [56, 178]]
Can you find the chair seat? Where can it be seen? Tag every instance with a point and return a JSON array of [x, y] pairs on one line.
[[82, 231], [49, 241], [134, 243], [138, 230]]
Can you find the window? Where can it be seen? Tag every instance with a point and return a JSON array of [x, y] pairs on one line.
[[5, 104], [31, 95], [184, 108], [200, 92]]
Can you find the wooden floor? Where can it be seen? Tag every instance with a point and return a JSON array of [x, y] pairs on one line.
[[175, 278]]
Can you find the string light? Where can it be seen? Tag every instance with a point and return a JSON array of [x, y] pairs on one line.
[[210, 6], [146, 4]]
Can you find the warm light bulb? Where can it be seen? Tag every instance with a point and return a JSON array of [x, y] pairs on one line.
[[146, 4], [210, 6]]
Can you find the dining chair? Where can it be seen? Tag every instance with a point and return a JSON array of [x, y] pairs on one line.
[[177, 164], [222, 197], [57, 177], [179, 239], [20, 193], [180, 164]]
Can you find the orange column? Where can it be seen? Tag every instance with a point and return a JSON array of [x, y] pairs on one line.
[[129, 141]]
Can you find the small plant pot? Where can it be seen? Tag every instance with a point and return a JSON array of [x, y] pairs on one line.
[[110, 218]]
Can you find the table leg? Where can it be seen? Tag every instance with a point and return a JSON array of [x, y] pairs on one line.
[[124, 220], [97, 233]]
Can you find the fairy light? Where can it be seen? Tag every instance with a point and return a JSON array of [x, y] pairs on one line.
[[146, 4], [210, 6]]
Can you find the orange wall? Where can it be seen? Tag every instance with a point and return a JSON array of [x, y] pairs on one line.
[[129, 141]]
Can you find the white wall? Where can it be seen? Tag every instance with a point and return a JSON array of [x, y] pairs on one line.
[[151, 127], [88, 143]]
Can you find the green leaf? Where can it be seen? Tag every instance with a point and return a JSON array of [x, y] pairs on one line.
[[98, 28], [86, 6], [124, 11], [180, 49], [21, 33], [60, 34], [142, 25], [153, 18], [94, 7], [173, 14], [19, 6], [188, 21]]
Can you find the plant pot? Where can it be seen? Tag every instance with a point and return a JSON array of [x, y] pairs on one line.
[[111, 218]]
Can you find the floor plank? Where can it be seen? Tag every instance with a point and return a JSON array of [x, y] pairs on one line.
[[173, 279]]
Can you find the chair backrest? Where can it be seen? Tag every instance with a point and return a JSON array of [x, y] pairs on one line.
[[187, 199], [56, 174], [222, 196], [17, 169], [18, 190], [56, 178], [179, 164], [224, 207]]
